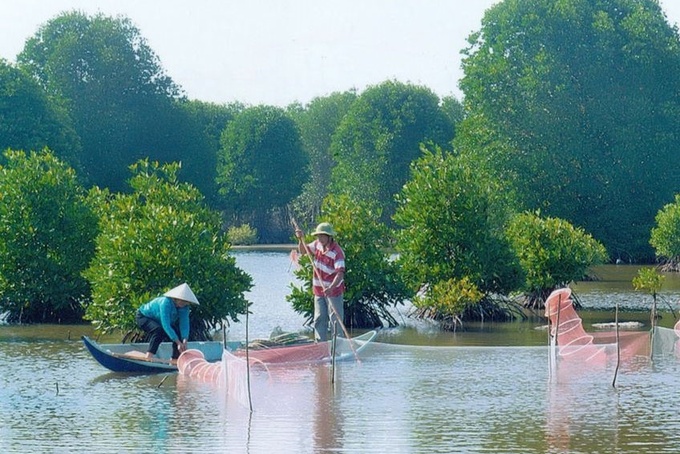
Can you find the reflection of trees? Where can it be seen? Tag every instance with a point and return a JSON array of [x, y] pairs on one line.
[[328, 433]]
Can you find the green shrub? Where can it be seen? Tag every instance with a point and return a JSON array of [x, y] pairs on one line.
[[158, 236], [47, 234], [451, 297], [665, 237], [372, 280], [242, 235], [452, 220], [648, 280], [552, 253]]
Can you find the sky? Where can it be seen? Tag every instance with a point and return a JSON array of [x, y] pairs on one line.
[[277, 52]]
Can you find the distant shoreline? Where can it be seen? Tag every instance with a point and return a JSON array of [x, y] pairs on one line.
[[266, 247]]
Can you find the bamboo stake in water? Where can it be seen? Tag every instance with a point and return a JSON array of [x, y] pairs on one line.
[[333, 347], [162, 381], [250, 400], [618, 346], [653, 321], [553, 336]]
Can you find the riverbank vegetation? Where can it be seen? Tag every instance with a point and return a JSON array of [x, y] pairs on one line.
[[562, 155], [159, 234]]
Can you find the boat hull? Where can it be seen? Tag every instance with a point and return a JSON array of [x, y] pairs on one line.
[[115, 356]]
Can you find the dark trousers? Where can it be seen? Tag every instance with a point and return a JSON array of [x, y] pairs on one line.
[[156, 334]]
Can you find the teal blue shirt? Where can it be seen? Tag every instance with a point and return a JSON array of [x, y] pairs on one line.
[[164, 311]]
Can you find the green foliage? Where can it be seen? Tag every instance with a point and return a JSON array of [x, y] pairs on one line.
[[648, 280], [213, 118], [453, 109], [665, 237], [155, 238], [380, 136], [579, 94], [371, 278], [200, 159], [242, 235], [452, 216], [318, 122], [447, 300], [113, 86], [301, 296], [261, 165], [47, 234], [552, 253], [30, 122]]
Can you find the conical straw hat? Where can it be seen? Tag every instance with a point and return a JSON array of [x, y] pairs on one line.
[[182, 292]]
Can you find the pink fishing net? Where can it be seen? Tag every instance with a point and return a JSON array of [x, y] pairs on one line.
[[566, 328], [305, 353], [193, 364], [573, 342], [232, 372]]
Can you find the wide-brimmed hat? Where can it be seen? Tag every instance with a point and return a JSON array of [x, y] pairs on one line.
[[182, 292], [324, 229]]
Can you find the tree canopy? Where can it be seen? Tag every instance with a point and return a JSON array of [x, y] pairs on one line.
[[579, 91], [318, 122], [110, 81], [47, 238], [261, 164], [208, 121], [380, 136], [30, 121]]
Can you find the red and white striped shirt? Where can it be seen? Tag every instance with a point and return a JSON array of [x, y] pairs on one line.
[[328, 263]]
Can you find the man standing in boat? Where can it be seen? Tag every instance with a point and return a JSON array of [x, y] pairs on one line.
[[166, 319], [328, 284]]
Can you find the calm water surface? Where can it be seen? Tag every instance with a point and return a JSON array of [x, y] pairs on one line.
[[417, 390]]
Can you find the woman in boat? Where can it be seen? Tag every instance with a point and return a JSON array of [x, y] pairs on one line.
[[166, 319], [328, 284]]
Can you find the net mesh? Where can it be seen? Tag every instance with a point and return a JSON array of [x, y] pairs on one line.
[[232, 372], [666, 342], [307, 353], [573, 347], [235, 373], [566, 329]]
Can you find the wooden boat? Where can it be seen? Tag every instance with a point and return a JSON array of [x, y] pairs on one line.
[[131, 357]]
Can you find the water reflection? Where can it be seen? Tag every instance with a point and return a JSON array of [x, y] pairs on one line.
[[486, 389], [596, 405], [327, 392], [399, 398]]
